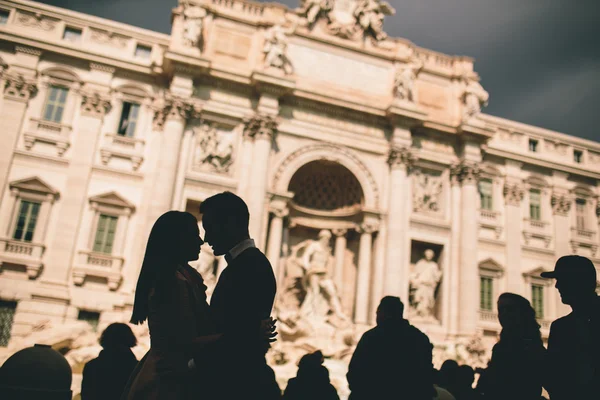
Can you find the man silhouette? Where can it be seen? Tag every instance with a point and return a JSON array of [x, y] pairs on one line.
[[392, 360], [243, 298], [573, 348]]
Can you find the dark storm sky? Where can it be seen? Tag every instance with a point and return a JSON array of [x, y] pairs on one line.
[[539, 59]]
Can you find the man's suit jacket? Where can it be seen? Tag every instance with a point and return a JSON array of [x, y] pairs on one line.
[[243, 297]]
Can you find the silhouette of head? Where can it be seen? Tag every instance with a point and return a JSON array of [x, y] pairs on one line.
[[448, 372], [466, 376], [516, 316], [174, 240], [225, 219], [575, 278], [391, 309], [429, 254], [117, 336]]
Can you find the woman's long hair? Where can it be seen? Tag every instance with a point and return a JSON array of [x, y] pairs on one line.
[[160, 260], [530, 329]]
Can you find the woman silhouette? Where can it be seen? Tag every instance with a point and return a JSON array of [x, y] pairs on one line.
[[515, 370], [171, 296]]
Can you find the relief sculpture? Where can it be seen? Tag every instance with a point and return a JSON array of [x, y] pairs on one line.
[[214, 151]]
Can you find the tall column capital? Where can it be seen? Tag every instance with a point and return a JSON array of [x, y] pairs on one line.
[[465, 172], [513, 193], [260, 126], [561, 203], [94, 104], [368, 227], [401, 157], [174, 107], [16, 87], [337, 232]]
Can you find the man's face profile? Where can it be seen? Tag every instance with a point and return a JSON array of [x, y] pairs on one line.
[[214, 234]]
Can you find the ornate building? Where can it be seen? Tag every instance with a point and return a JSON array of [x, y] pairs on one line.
[[366, 161]]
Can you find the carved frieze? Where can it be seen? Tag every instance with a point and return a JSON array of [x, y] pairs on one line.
[[36, 21], [427, 192], [108, 38], [214, 149]]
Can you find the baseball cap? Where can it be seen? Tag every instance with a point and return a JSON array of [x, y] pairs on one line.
[[574, 267]]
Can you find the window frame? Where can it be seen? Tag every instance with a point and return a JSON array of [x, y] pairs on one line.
[[27, 228], [482, 301], [139, 50], [112, 222], [541, 302], [489, 181], [84, 312], [71, 28], [53, 103], [128, 131], [580, 220], [5, 304], [533, 145], [538, 206]]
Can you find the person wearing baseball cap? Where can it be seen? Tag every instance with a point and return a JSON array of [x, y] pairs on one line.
[[574, 341]]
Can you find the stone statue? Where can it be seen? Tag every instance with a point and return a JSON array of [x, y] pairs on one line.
[[321, 293], [193, 23], [275, 50], [474, 97], [423, 281], [216, 154], [312, 9], [427, 193], [369, 15], [404, 82]]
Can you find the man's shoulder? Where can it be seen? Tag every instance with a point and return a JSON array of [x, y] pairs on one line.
[[563, 322]]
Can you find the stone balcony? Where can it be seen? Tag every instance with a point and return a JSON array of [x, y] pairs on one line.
[[490, 221], [584, 240], [117, 148], [537, 233], [26, 254], [98, 265], [48, 133]]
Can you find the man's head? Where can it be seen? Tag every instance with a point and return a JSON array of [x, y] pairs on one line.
[[575, 278], [429, 254], [390, 309], [225, 219]]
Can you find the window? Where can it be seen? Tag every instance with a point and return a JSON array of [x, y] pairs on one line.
[[26, 220], [486, 194], [533, 145], [143, 52], [105, 233], [535, 204], [537, 300], [578, 156], [91, 317], [4, 17], [580, 208], [7, 315], [55, 103], [72, 34], [486, 293], [129, 118]]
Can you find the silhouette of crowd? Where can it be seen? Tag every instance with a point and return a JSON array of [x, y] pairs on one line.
[[218, 350]]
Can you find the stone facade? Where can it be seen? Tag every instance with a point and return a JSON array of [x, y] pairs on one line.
[[366, 162]]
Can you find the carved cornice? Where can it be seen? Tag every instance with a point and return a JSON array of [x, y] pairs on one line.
[[401, 157], [514, 193], [28, 50], [561, 203], [16, 87], [102, 68], [94, 104], [174, 107], [260, 126], [465, 172]]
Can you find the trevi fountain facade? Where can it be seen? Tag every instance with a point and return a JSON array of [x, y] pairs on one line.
[[367, 163]]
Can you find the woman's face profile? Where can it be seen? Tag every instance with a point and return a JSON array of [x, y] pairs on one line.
[[509, 313], [190, 241]]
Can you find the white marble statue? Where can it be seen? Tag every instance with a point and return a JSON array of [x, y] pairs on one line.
[[404, 82], [193, 24], [427, 193], [474, 97], [424, 280], [321, 294], [369, 15], [275, 50], [312, 9], [212, 151]]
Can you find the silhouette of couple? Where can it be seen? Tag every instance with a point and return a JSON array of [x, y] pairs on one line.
[[198, 350]]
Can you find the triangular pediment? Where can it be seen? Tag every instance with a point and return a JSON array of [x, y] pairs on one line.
[[491, 265], [33, 184], [535, 273], [112, 199]]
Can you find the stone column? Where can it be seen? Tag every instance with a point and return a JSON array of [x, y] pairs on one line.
[[339, 254], [363, 278], [17, 92], [279, 211], [62, 247], [184, 161], [468, 275], [513, 197], [262, 128], [396, 276], [454, 269], [245, 164]]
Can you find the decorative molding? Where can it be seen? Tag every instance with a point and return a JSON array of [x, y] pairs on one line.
[[94, 104], [401, 157], [16, 87], [174, 107], [34, 185], [112, 200], [561, 203], [465, 172], [102, 67], [32, 51], [35, 20], [513, 193], [260, 126]]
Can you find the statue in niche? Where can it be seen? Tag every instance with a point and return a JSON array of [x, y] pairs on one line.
[[474, 97], [312, 9], [427, 193], [404, 82], [193, 23], [369, 15], [423, 282], [275, 50], [212, 151]]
